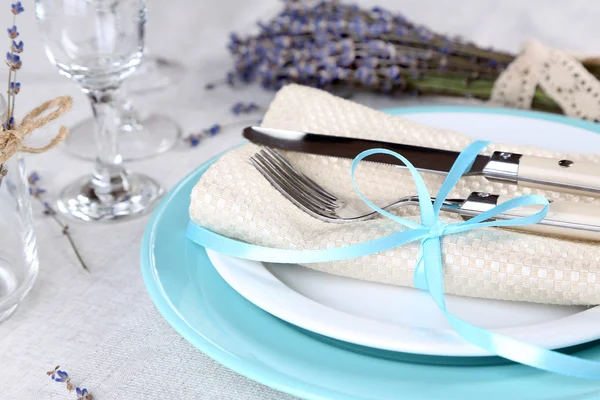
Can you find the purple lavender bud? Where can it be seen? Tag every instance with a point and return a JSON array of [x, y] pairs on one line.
[[15, 87], [292, 73], [213, 130], [341, 73], [250, 107], [365, 75], [377, 46], [297, 28], [283, 41], [237, 108], [377, 29], [393, 72], [347, 45], [325, 76], [371, 62], [12, 32], [17, 47], [321, 38], [333, 47], [17, 8], [346, 58], [33, 178]]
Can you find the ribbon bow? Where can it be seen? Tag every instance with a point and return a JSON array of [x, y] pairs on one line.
[[428, 274], [11, 140]]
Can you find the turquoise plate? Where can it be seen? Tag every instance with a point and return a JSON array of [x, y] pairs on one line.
[[191, 295]]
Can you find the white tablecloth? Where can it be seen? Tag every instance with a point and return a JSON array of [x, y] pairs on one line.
[[102, 326]]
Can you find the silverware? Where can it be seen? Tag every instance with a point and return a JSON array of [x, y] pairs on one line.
[[531, 171], [571, 220]]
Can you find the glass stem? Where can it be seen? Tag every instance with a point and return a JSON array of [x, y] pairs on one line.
[[110, 178], [130, 119]]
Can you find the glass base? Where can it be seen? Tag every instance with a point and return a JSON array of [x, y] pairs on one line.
[[6, 314], [12, 290], [153, 135], [154, 73], [79, 200], [8, 284]]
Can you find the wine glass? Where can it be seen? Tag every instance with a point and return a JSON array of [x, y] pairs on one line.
[[98, 43], [141, 136]]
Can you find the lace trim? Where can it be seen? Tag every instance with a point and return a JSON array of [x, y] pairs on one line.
[[559, 74]]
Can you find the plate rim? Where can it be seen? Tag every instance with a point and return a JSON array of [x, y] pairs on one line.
[[169, 312], [531, 114], [360, 337]]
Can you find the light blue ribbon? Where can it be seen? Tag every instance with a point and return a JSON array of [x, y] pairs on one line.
[[428, 273]]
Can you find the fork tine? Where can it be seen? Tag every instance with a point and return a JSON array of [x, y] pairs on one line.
[[290, 195], [290, 187], [309, 182], [281, 183], [299, 181], [295, 183]]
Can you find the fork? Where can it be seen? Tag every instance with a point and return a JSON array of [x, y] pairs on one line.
[[564, 219]]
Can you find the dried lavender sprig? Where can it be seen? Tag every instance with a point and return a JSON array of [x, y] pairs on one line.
[[329, 44], [37, 192], [195, 138], [61, 376], [13, 60]]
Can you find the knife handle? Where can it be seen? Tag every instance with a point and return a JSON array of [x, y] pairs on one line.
[[565, 219], [576, 177]]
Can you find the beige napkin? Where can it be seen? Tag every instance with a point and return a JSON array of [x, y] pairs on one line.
[[233, 199]]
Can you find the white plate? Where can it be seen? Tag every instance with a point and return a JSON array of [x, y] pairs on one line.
[[405, 319]]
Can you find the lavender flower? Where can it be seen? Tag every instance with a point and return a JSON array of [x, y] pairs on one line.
[[9, 124], [62, 376], [17, 8], [12, 32], [213, 130], [36, 191], [237, 108], [82, 394], [13, 61], [193, 140], [244, 108], [33, 178], [230, 78], [17, 47], [15, 87], [48, 210], [52, 373]]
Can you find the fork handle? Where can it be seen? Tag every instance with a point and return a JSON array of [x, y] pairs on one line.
[[565, 219]]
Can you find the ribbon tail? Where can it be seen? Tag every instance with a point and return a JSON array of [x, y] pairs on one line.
[[434, 270]]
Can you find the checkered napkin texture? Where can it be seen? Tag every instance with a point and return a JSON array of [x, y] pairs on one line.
[[233, 199]]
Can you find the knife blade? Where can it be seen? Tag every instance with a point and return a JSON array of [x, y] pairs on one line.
[[531, 171]]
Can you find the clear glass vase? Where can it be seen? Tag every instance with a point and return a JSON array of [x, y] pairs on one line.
[[18, 249]]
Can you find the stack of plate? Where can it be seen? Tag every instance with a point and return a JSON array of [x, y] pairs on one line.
[[320, 336]]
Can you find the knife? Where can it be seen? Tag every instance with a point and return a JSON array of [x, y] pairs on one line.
[[531, 171]]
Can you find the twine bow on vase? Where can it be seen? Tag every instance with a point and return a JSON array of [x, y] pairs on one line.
[[11, 140]]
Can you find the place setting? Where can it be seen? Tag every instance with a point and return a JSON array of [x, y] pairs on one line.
[[294, 326], [356, 240]]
